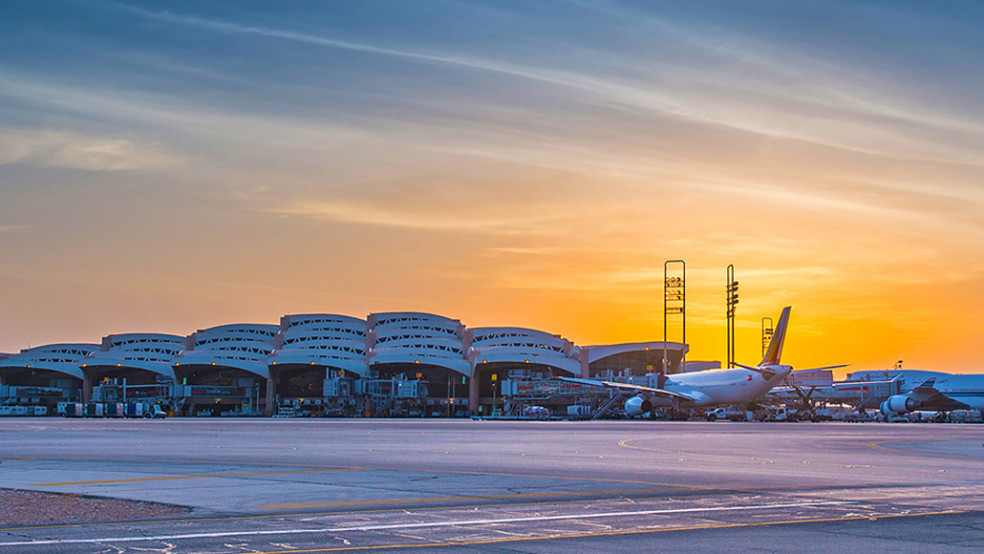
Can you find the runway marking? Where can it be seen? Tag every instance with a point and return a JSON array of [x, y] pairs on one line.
[[557, 477], [624, 443], [467, 497], [203, 476], [613, 533], [881, 445], [392, 526], [876, 444], [307, 515]]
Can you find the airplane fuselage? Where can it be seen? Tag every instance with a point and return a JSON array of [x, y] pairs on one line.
[[967, 389], [719, 387], [704, 389]]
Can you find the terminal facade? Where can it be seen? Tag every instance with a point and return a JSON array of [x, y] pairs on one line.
[[394, 363]]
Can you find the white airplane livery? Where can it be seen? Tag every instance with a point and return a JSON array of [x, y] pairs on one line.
[[715, 387], [939, 393]]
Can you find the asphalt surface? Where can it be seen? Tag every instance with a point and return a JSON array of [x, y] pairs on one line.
[[268, 485]]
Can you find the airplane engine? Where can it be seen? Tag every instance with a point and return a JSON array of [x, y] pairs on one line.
[[898, 404], [637, 405]]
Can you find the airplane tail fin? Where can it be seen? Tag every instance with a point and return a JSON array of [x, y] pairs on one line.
[[774, 352]]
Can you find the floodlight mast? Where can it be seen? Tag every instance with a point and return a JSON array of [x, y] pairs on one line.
[[767, 330], [731, 302], [674, 302]]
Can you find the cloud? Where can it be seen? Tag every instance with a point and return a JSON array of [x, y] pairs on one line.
[[768, 92], [9, 228], [69, 149], [416, 217], [185, 117]]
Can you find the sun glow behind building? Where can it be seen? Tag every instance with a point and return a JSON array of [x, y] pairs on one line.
[[172, 168]]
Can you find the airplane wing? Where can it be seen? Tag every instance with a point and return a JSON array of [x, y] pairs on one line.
[[627, 387], [931, 398]]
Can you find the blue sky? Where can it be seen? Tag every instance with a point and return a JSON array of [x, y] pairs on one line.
[[170, 165]]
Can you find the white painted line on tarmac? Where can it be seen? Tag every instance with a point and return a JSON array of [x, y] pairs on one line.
[[417, 525]]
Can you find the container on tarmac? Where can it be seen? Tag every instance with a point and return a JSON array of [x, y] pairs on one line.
[[578, 411], [142, 409]]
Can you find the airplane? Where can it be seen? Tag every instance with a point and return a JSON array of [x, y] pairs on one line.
[[710, 388], [940, 393]]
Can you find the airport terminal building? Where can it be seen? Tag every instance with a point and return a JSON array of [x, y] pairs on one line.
[[394, 363]]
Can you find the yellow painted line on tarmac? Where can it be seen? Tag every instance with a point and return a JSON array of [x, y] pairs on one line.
[[624, 443], [130, 461], [527, 476], [881, 444], [466, 497], [205, 476], [614, 533]]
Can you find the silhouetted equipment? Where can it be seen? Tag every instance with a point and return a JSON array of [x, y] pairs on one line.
[[674, 303], [731, 301]]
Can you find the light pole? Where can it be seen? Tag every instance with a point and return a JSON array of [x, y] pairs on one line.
[[674, 302], [731, 301], [767, 331]]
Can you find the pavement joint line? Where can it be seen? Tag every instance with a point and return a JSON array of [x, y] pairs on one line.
[[464, 497], [394, 526], [612, 533], [202, 476]]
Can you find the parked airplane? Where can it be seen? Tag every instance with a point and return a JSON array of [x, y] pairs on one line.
[[714, 387], [868, 389], [940, 393]]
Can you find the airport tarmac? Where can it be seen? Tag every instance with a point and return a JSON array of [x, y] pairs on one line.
[[306, 485]]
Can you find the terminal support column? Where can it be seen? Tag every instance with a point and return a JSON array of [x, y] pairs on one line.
[[473, 393], [268, 406], [86, 387]]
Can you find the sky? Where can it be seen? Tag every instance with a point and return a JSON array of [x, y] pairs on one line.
[[170, 166]]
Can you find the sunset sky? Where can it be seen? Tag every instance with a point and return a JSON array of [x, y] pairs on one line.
[[170, 166]]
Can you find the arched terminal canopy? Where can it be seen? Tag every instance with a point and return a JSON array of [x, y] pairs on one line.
[[639, 357], [150, 352], [245, 347], [64, 359]]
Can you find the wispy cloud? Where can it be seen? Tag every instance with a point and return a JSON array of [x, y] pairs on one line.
[[467, 218], [829, 105], [69, 149], [10, 228], [366, 214], [124, 108], [785, 73]]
